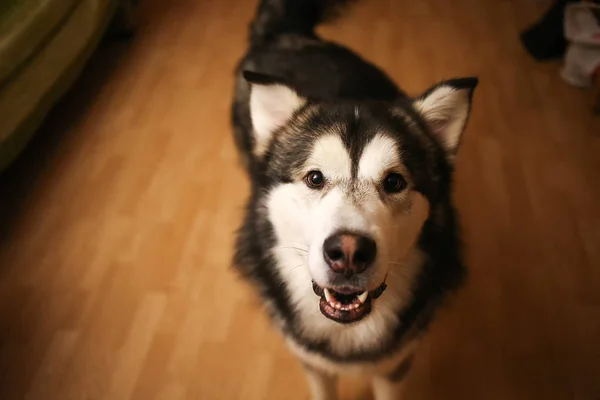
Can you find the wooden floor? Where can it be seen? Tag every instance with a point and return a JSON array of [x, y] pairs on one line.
[[116, 224]]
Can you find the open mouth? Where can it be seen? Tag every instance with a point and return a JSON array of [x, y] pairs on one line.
[[344, 305]]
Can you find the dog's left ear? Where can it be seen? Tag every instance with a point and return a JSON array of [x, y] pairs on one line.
[[446, 107], [272, 104]]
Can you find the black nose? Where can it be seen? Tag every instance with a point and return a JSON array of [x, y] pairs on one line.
[[349, 253]]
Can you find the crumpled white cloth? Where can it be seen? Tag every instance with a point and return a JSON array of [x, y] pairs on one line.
[[583, 53], [580, 64]]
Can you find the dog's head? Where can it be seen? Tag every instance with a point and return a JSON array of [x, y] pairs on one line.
[[347, 188]]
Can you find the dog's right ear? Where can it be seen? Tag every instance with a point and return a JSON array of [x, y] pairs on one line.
[[272, 103]]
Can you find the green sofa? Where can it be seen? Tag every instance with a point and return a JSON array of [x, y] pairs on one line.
[[44, 45]]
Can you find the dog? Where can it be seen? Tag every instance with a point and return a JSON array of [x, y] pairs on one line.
[[350, 236]]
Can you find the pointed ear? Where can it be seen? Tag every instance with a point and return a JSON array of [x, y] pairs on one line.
[[272, 103], [446, 107]]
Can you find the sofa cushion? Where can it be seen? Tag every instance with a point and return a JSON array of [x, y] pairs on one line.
[[25, 27], [34, 88]]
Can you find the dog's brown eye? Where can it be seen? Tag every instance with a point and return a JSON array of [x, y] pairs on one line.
[[394, 183], [314, 179]]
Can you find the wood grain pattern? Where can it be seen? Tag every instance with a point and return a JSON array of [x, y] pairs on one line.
[[116, 224]]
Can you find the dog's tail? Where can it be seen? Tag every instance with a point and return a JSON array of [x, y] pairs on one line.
[[276, 17]]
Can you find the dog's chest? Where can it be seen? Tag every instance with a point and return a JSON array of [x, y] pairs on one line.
[[380, 366]]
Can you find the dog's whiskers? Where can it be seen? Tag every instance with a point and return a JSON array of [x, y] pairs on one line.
[[289, 273], [300, 243], [293, 248]]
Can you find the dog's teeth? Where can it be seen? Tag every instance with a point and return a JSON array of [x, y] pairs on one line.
[[363, 297], [338, 306], [328, 296]]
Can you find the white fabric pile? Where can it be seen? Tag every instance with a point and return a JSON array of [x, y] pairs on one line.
[[582, 30]]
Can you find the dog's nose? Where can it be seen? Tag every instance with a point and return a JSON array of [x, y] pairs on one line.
[[349, 253]]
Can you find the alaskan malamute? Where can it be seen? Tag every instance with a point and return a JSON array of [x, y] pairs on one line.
[[350, 236]]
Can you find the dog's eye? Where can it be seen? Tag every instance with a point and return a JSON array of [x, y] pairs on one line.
[[314, 179], [394, 183]]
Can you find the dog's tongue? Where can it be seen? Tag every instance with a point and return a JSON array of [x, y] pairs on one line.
[[347, 291]]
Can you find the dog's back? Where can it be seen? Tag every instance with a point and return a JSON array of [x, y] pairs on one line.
[[283, 43]]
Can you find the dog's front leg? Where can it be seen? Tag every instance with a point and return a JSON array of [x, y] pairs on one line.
[[386, 389], [323, 386], [390, 386]]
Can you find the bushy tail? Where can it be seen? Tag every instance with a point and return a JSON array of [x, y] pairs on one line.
[[276, 17]]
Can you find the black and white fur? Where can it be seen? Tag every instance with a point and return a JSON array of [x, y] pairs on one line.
[[304, 104]]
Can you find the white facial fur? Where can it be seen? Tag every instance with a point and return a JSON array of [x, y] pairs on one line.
[[303, 218]]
